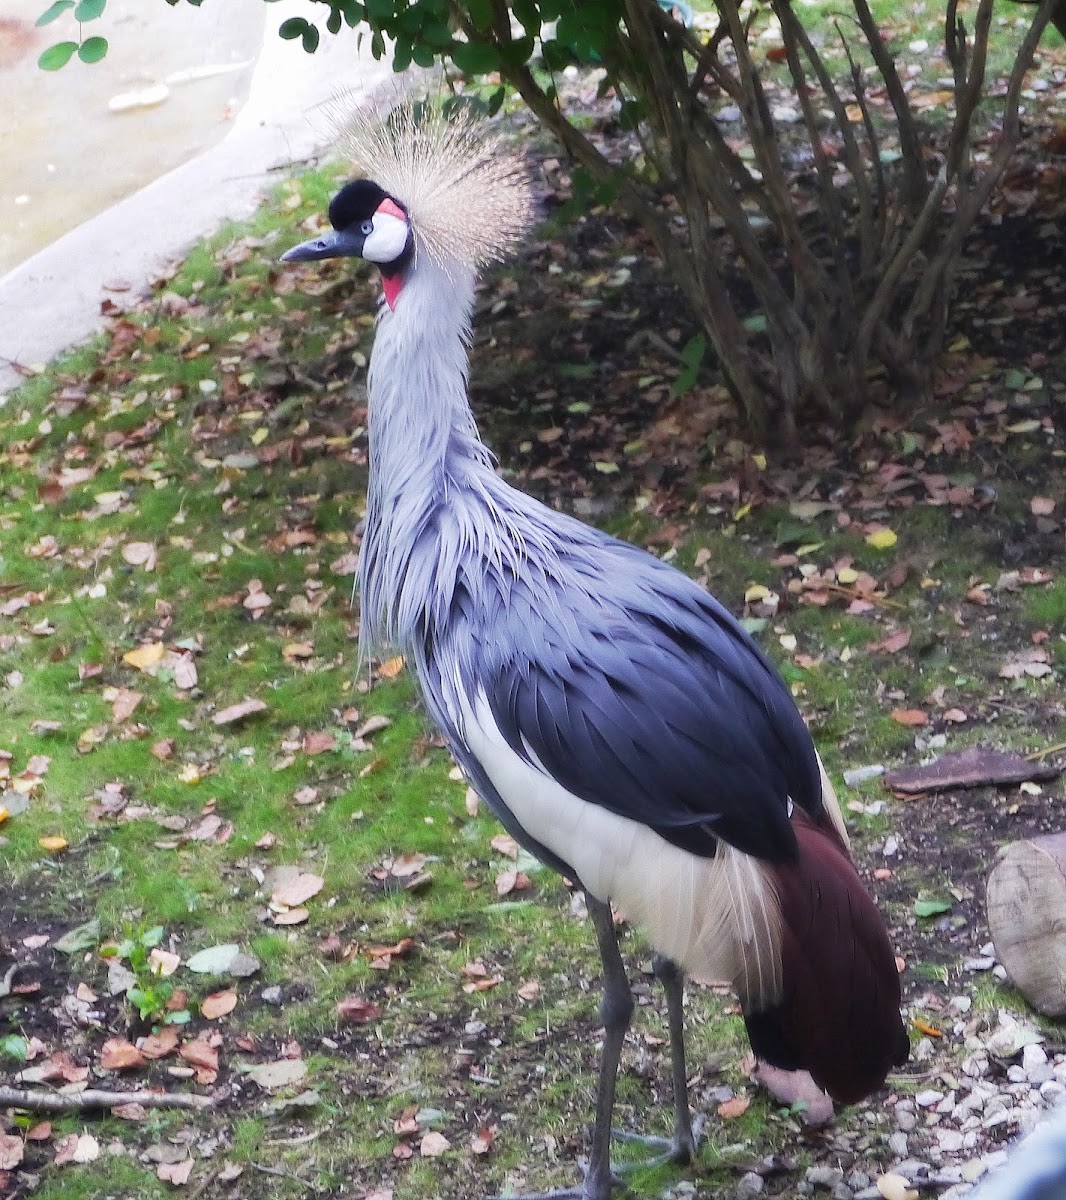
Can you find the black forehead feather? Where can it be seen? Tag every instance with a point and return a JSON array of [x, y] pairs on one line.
[[355, 202]]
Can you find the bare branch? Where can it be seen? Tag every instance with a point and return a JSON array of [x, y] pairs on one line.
[[93, 1098], [909, 143]]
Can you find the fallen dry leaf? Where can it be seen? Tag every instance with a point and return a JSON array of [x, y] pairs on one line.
[[237, 712], [140, 554], [200, 1054], [145, 658], [433, 1145], [319, 743], [504, 844], [729, 1110], [124, 704], [481, 1142], [163, 962], [53, 843], [218, 1004], [913, 717], [176, 1173], [11, 1150], [356, 1010], [119, 1055], [511, 881], [292, 916], [278, 1074], [76, 1148], [159, 1045], [294, 892], [391, 667], [1041, 506]]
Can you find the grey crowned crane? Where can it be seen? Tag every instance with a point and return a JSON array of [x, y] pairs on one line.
[[616, 718]]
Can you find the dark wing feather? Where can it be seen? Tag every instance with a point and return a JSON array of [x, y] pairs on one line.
[[647, 697]]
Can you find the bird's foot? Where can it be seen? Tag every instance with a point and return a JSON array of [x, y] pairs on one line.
[[679, 1150], [595, 1185], [798, 1091]]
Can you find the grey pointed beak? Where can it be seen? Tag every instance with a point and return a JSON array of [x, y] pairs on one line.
[[338, 243]]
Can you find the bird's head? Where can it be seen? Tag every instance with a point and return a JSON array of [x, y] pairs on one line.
[[367, 223]]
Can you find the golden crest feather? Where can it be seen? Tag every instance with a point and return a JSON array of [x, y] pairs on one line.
[[466, 191]]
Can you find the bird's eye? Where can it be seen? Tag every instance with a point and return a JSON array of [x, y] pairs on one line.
[[367, 228]]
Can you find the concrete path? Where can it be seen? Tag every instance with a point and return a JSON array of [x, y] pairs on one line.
[[52, 301]]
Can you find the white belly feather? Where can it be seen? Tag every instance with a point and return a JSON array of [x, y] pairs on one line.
[[716, 917]]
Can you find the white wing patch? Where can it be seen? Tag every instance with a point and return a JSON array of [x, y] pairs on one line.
[[717, 917]]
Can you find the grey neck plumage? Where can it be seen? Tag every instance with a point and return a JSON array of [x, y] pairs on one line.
[[434, 502]]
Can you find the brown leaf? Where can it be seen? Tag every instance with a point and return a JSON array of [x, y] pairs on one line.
[[200, 1054], [370, 726], [294, 892], [292, 916], [1041, 506], [504, 844], [407, 864], [218, 1004], [185, 673], [11, 1150], [163, 749], [511, 881], [319, 743], [729, 1110], [295, 651], [140, 554], [176, 1173], [481, 1142], [124, 703], [529, 990], [433, 1145], [391, 667], [895, 642], [909, 716], [237, 712], [119, 1055], [159, 1045], [145, 658], [76, 1148], [356, 1010]]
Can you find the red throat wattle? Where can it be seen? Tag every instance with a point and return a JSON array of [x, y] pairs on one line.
[[393, 285]]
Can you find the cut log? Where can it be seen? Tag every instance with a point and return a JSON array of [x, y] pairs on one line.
[[1026, 901]]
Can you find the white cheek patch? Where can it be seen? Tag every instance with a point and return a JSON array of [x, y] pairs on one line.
[[387, 241]]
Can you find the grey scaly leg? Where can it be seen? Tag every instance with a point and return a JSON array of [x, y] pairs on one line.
[[616, 1009], [681, 1148]]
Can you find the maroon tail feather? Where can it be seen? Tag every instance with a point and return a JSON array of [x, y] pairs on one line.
[[838, 1016]]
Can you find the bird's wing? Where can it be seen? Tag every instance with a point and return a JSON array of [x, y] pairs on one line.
[[636, 691]]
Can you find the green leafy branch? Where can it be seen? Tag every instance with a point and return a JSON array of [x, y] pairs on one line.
[[89, 50]]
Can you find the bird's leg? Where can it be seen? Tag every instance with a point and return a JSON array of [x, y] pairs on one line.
[[681, 1147], [616, 1009], [673, 981]]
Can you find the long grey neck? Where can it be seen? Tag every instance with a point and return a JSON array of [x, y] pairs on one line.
[[423, 440]]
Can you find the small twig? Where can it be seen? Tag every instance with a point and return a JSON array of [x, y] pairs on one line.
[[883, 601], [1038, 755], [94, 1098], [277, 1171], [5, 983]]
